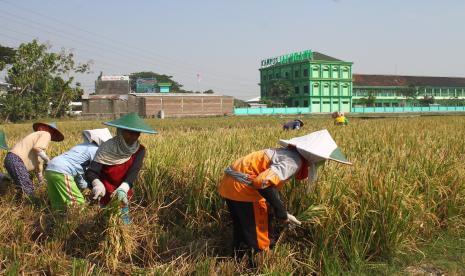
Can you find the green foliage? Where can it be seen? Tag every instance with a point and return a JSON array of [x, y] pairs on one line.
[[280, 91], [426, 101], [6, 56], [240, 103], [411, 93], [41, 82], [175, 86], [268, 103], [370, 100]]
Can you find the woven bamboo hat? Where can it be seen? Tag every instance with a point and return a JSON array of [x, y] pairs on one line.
[[57, 136]]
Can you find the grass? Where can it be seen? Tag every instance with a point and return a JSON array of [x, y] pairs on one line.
[[401, 206]]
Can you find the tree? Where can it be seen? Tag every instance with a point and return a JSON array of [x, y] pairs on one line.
[[209, 91], [175, 86], [41, 82], [240, 103], [370, 100], [6, 56], [280, 92], [426, 100], [411, 93]]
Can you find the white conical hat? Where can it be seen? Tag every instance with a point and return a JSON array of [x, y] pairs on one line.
[[317, 146], [98, 135]]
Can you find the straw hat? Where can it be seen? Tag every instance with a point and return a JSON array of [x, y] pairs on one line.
[[131, 122], [57, 136], [300, 121], [317, 146], [3, 144]]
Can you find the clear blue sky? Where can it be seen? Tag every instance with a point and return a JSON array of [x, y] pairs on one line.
[[224, 41]]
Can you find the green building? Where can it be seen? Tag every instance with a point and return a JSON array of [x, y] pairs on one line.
[[320, 82], [390, 91], [150, 85]]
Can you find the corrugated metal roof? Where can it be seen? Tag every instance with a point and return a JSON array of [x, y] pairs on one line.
[[108, 97], [176, 95]]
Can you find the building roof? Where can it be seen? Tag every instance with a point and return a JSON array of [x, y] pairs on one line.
[[176, 95], [108, 97], [395, 80], [253, 100], [320, 56]]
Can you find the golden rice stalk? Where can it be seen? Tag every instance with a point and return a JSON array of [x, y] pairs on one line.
[[118, 244]]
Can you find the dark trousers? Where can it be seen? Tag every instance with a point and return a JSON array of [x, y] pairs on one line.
[[252, 225], [18, 172]]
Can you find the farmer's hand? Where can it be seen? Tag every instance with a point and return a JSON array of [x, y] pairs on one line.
[[98, 190], [40, 177], [292, 219], [41, 153], [122, 192]]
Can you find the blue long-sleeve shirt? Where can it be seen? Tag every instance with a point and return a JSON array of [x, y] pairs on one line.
[[74, 162]]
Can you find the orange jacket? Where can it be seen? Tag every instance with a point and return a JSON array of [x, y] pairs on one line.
[[264, 168]]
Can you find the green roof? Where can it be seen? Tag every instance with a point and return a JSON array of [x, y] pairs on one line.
[[164, 84]]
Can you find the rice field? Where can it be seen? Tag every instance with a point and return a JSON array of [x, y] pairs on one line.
[[407, 184]]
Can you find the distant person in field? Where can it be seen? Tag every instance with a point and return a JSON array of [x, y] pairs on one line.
[[65, 173], [29, 154], [294, 124], [339, 118], [118, 161], [251, 186]]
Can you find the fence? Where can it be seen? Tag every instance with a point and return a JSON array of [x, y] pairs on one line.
[[407, 109], [306, 110], [271, 110]]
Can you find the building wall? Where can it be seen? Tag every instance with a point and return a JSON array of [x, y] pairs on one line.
[[180, 106], [391, 96], [112, 87], [150, 106]]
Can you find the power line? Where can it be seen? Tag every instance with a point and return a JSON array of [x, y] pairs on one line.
[[99, 35]]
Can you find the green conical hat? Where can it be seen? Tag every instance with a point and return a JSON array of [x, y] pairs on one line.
[[317, 146], [132, 122], [3, 144]]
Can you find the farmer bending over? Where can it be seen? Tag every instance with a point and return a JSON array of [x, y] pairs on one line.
[[118, 161], [295, 124], [250, 185], [65, 173], [29, 155]]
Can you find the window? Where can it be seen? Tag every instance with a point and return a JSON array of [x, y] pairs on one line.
[[296, 73], [277, 75], [306, 89], [335, 72], [296, 90], [296, 103], [345, 102], [325, 72], [270, 77], [315, 102], [315, 71], [305, 72], [345, 72], [305, 103], [286, 75]]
